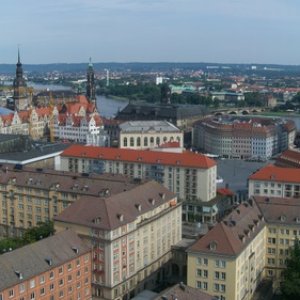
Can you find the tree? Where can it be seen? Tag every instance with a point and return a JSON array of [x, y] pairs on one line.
[[291, 276]]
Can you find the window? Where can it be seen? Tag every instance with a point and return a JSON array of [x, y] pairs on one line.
[[32, 284], [78, 262], [10, 293], [61, 270], [69, 278], [21, 288], [51, 287], [86, 258], [202, 261], [32, 296], [131, 142], [42, 279], [151, 140], [61, 282], [51, 275], [61, 294], [145, 141], [70, 289], [69, 267], [42, 291], [138, 141], [125, 141], [220, 263]]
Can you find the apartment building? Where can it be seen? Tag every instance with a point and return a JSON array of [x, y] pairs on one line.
[[58, 267], [243, 137], [274, 181], [251, 244], [282, 216], [191, 176], [142, 135], [29, 196], [131, 232], [228, 262], [289, 158]]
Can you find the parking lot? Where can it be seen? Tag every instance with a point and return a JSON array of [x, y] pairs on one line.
[[235, 172]]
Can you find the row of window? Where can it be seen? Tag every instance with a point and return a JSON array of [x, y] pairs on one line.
[[203, 285], [219, 263], [146, 140]]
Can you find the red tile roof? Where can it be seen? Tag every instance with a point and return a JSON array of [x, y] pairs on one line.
[[225, 192], [234, 233], [170, 145], [277, 174], [184, 159]]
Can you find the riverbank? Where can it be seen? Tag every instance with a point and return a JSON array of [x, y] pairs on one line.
[[118, 98], [279, 114]]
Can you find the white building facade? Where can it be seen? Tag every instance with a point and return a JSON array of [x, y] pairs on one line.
[[148, 134]]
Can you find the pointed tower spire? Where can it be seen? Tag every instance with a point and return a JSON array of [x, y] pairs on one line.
[[19, 60], [90, 85]]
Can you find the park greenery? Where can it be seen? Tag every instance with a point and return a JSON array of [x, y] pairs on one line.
[[290, 287], [30, 235]]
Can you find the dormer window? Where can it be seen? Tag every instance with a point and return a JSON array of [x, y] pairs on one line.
[[213, 245], [138, 207], [120, 217], [297, 219], [152, 201], [282, 218]]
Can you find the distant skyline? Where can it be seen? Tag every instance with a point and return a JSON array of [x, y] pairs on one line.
[[217, 31]]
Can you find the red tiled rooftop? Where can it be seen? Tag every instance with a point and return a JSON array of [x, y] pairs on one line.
[[278, 174], [225, 192], [185, 159], [234, 233]]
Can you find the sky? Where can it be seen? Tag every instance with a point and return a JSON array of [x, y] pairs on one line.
[[220, 31]]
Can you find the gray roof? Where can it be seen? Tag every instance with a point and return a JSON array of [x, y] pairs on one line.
[[5, 111], [38, 151], [183, 292], [116, 210], [31, 260], [148, 126], [69, 182], [150, 111]]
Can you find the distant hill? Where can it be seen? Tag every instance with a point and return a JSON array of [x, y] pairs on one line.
[[152, 67]]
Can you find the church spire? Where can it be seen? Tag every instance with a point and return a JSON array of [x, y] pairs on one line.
[[19, 60], [90, 85]]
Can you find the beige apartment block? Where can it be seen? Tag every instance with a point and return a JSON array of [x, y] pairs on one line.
[[29, 196], [228, 261], [58, 267], [131, 232], [190, 175], [249, 245]]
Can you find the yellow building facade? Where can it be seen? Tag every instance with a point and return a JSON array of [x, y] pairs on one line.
[[251, 244]]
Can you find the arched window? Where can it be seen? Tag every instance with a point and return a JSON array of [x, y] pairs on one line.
[[157, 141], [152, 140], [178, 139], [145, 141], [138, 141], [171, 139], [125, 141], [165, 139], [131, 142]]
